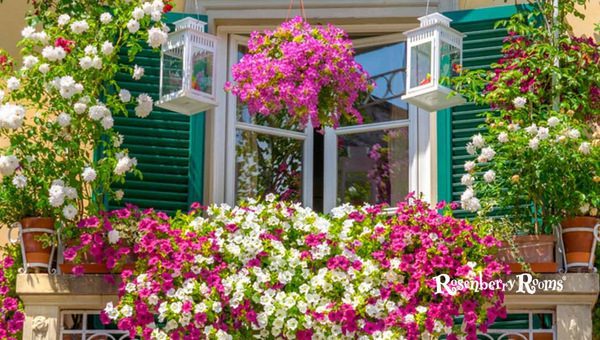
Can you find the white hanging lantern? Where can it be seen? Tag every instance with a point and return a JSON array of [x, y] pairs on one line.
[[434, 49], [187, 69]]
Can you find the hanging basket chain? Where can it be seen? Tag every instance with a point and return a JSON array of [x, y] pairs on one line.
[[292, 6]]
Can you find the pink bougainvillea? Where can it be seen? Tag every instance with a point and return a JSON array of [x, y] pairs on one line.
[[272, 269], [306, 72]]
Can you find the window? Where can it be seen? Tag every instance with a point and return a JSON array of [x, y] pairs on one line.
[[370, 162], [80, 325]]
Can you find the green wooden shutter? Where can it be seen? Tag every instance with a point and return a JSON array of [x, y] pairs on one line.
[[169, 146], [481, 48]]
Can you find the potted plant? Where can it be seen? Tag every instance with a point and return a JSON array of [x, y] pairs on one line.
[[304, 72], [535, 162], [58, 108]]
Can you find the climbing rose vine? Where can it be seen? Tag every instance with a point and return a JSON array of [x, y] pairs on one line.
[[304, 71], [271, 269]]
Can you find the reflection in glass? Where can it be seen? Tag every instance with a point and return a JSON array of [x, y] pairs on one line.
[[172, 75], [373, 167], [421, 65], [268, 164], [202, 71], [449, 59]]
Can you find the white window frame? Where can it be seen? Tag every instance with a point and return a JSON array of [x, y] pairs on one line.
[[220, 170], [89, 333]]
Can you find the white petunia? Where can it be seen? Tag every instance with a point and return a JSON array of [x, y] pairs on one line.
[[584, 148], [124, 95], [105, 18], [29, 61], [469, 165], [88, 174], [503, 137], [176, 307], [19, 181], [13, 83], [11, 116], [156, 37], [467, 180], [133, 26], [553, 121], [113, 236], [144, 106], [63, 119], [79, 27], [519, 102], [8, 165], [44, 68], [107, 48], [127, 311], [63, 19], [534, 143], [478, 141], [138, 72], [69, 212], [137, 13], [489, 176]]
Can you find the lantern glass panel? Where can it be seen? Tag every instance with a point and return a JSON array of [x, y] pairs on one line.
[[421, 64], [202, 70], [449, 60], [172, 72]]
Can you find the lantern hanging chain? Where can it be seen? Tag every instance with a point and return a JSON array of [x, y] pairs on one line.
[[197, 11], [291, 7], [427, 8]]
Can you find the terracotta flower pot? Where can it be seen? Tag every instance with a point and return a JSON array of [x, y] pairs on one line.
[[90, 266], [536, 250], [578, 238], [36, 254]]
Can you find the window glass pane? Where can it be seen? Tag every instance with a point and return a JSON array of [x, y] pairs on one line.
[[268, 164], [421, 65], [172, 76], [202, 68], [373, 167], [449, 59]]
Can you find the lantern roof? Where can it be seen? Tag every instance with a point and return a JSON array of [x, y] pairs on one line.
[[432, 20], [190, 23]]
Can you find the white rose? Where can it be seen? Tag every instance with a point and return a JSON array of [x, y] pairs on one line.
[[119, 195], [56, 195], [107, 122], [54, 53], [97, 63], [489, 176], [584, 148], [534, 143], [63, 119], [90, 50], [487, 154], [519, 102], [156, 16], [79, 108], [503, 137], [69, 212], [471, 149], [11, 116], [107, 48], [124, 96], [553, 121], [137, 13], [469, 165], [44, 68], [133, 26], [29, 61], [19, 181], [97, 112], [573, 134], [70, 192], [144, 106], [85, 63], [543, 133], [147, 7], [27, 32], [138, 72], [532, 129], [8, 165], [478, 141], [113, 236], [105, 18], [156, 37], [467, 180], [88, 174], [63, 19], [79, 27], [13, 83]]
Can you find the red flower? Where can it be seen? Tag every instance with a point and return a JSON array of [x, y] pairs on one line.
[[67, 45], [168, 7]]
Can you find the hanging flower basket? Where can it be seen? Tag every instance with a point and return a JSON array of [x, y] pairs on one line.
[[306, 72]]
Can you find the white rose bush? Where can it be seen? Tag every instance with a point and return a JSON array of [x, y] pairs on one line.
[[62, 103]]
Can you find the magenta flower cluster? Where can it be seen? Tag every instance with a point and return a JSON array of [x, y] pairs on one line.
[[11, 314], [276, 269], [304, 71]]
